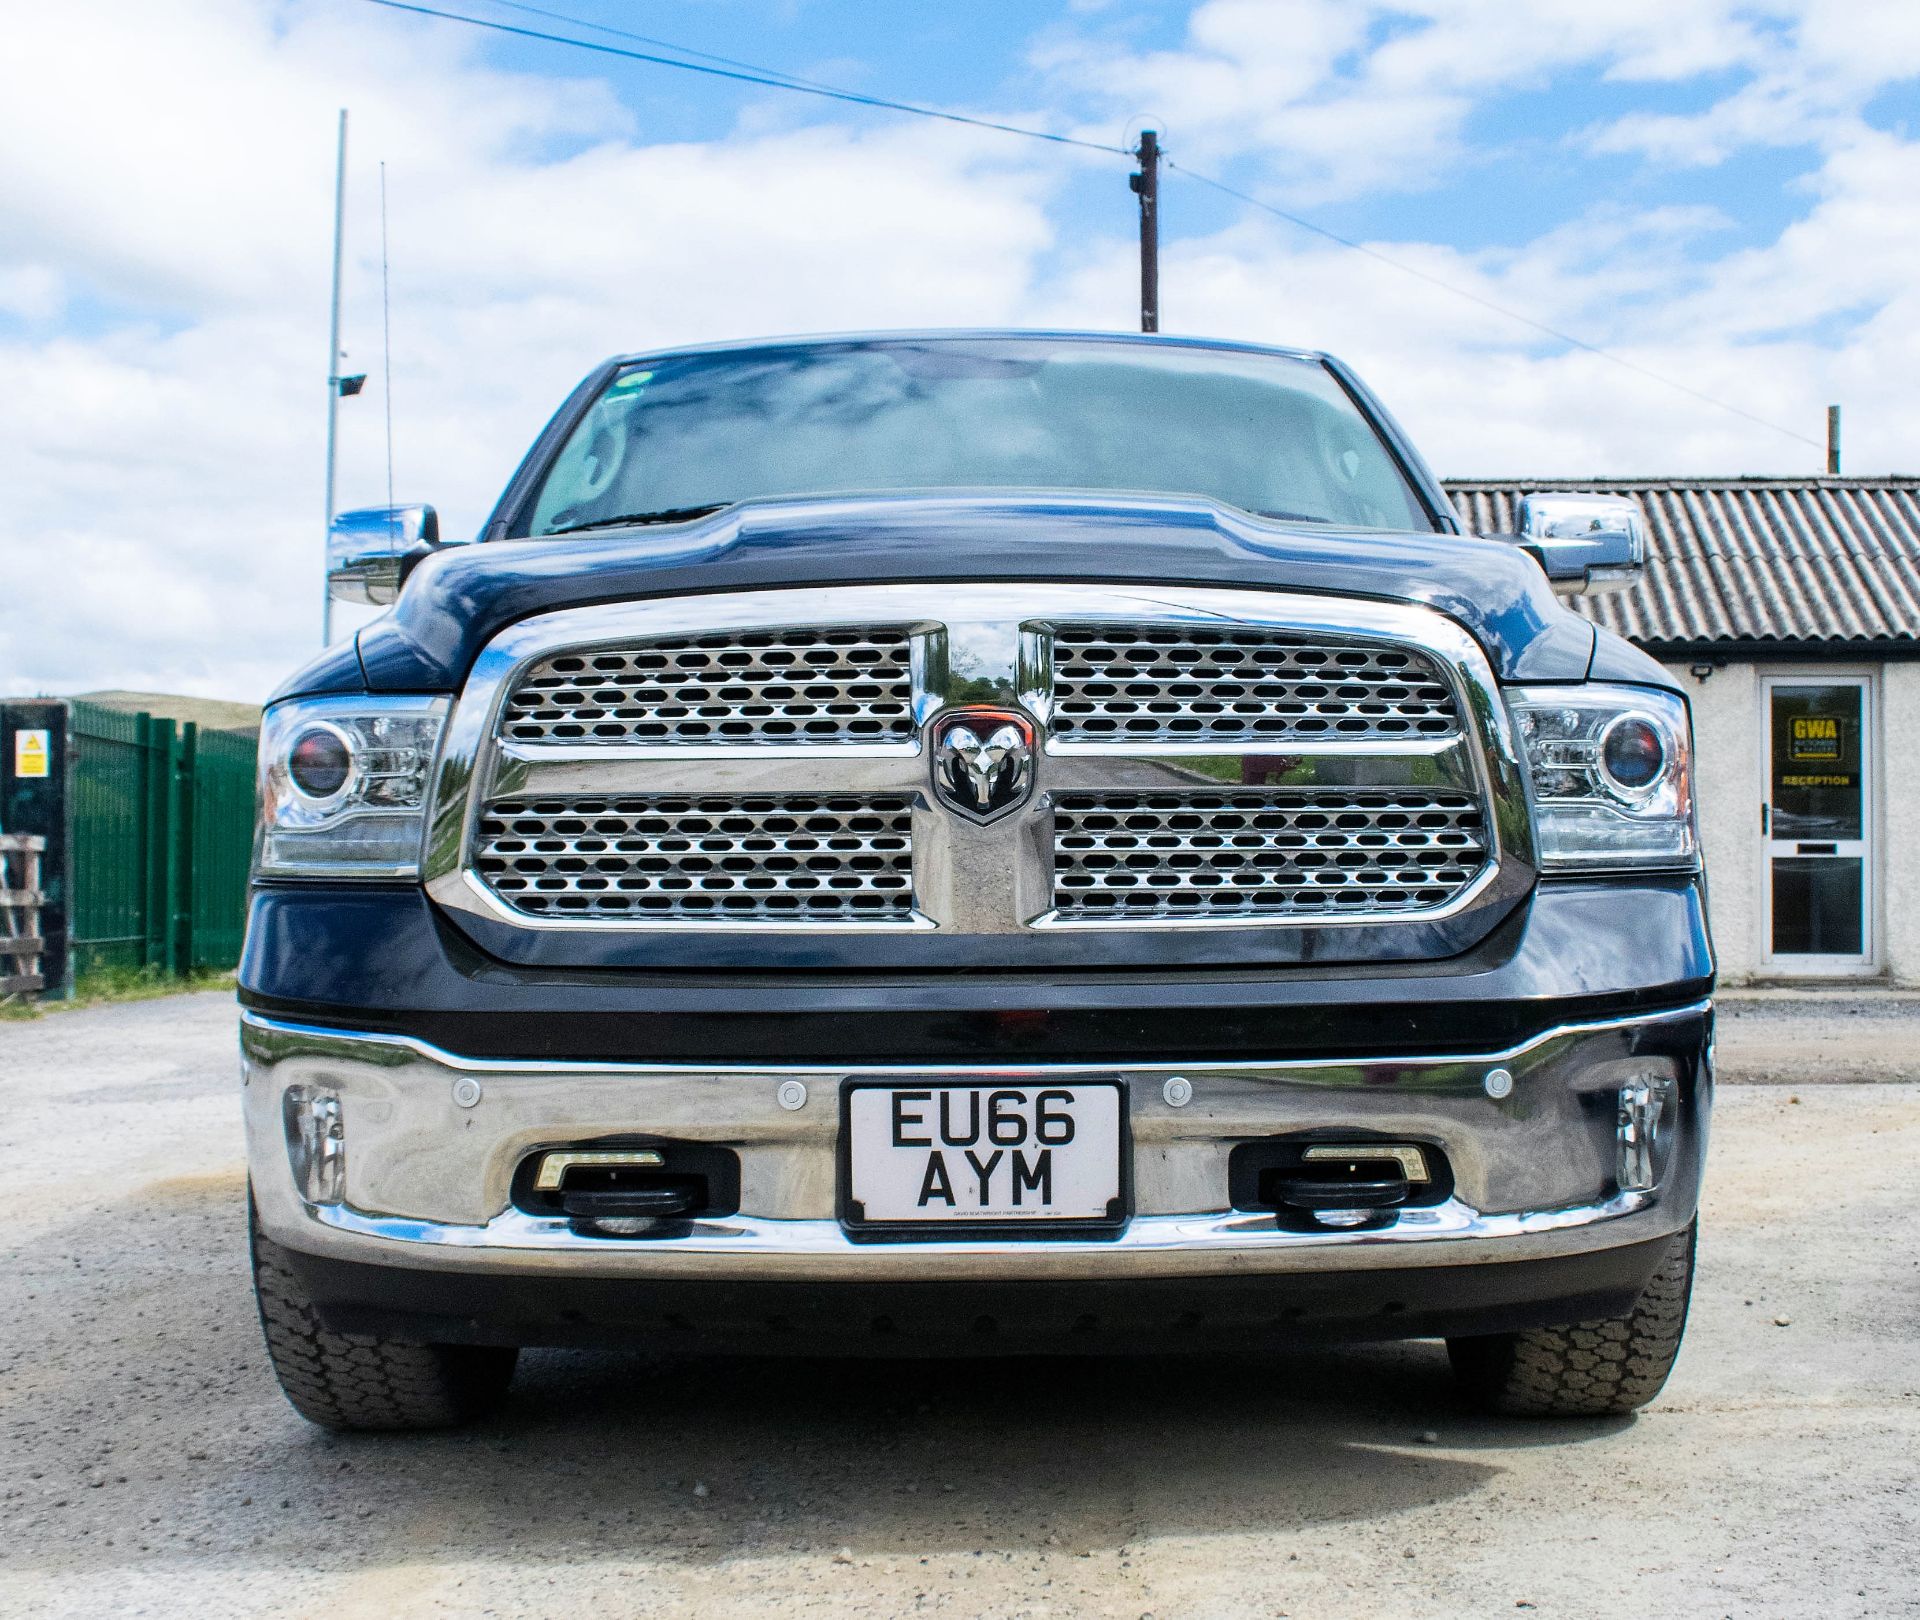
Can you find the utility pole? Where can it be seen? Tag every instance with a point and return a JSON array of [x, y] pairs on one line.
[[1833, 441], [1146, 185], [336, 384]]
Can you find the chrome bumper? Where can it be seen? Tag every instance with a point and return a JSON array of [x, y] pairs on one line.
[[432, 1141]]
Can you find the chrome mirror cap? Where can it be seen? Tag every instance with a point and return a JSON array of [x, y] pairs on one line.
[[366, 548], [1588, 544]]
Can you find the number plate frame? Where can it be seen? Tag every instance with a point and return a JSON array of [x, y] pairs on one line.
[[1041, 1229]]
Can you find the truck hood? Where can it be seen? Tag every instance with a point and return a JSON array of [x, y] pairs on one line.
[[459, 599]]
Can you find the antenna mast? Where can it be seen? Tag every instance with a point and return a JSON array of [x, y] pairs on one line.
[[386, 334], [333, 377]]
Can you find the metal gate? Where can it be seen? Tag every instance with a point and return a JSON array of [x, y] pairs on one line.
[[151, 826]]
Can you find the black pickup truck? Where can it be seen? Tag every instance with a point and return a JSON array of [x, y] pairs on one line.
[[975, 842]]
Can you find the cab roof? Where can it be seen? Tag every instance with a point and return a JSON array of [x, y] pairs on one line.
[[974, 334]]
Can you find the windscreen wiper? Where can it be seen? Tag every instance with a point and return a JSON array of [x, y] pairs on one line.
[[667, 514]]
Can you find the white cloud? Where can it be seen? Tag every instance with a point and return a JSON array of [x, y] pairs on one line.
[[171, 461], [31, 292], [1809, 81], [1340, 97], [165, 207], [1829, 310], [1336, 98]]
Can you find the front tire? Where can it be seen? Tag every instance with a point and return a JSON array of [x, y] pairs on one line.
[[356, 1381], [1603, 1368]]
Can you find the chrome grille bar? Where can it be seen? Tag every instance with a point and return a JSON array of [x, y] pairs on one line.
[[815, 685], [1149, 682], [1275, 851], [768, 858], [1374, 716]]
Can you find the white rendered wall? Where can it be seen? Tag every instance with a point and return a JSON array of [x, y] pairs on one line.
[[1900, 820], [1729, 725]]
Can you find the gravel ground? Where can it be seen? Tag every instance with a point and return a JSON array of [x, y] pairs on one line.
[[1810, 1037], [152, 1468]]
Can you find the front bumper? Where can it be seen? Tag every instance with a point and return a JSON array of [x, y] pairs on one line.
[[427, 1179], [381, 958]]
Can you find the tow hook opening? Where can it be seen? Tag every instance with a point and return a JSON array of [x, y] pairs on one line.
[[629, 1189], [1344, 1183]]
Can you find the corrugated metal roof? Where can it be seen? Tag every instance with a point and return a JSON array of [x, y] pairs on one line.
[[1829, 560]]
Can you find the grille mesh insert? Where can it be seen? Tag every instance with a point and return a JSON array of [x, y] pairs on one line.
[[1274, 852], [1170, 683], [738, 686], [759, 858]]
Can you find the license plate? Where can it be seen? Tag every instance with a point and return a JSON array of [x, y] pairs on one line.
[[970, 1153]]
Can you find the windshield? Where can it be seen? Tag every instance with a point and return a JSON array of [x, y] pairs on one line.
[[1267, 433]]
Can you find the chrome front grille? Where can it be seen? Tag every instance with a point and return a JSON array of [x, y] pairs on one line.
[[756, 858], [1272, 852], [850, 685], [1179, 683], [764, 759]]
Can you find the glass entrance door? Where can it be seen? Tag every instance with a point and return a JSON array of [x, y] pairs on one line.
[[1817, 824]]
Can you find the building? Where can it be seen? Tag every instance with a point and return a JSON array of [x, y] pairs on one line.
[[1790, 608]]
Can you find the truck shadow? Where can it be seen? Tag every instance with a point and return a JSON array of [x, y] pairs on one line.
[[147, 1432], [936, 1456]]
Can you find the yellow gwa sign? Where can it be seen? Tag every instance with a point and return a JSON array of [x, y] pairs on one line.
[[32, 753], [1815, 736]]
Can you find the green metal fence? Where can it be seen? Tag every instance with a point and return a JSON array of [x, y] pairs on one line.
[[107, 791], [222, 847], [161, 820]]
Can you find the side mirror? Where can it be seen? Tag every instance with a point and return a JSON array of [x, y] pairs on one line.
[[368, 551], [1588, 544]]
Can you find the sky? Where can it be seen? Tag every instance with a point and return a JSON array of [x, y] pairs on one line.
[[1721, 193]]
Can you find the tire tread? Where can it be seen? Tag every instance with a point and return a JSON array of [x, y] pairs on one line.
[[357, 1381], [1600, 1368]]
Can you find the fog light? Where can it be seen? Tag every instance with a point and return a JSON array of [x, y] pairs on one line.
[[316, 1143], [1642, 1102]]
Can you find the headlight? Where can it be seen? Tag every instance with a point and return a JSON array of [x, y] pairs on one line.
[[343, 786], [1611, 769]]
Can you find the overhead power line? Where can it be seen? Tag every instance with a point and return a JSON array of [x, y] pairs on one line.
[[723, 67], [772, 82]]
